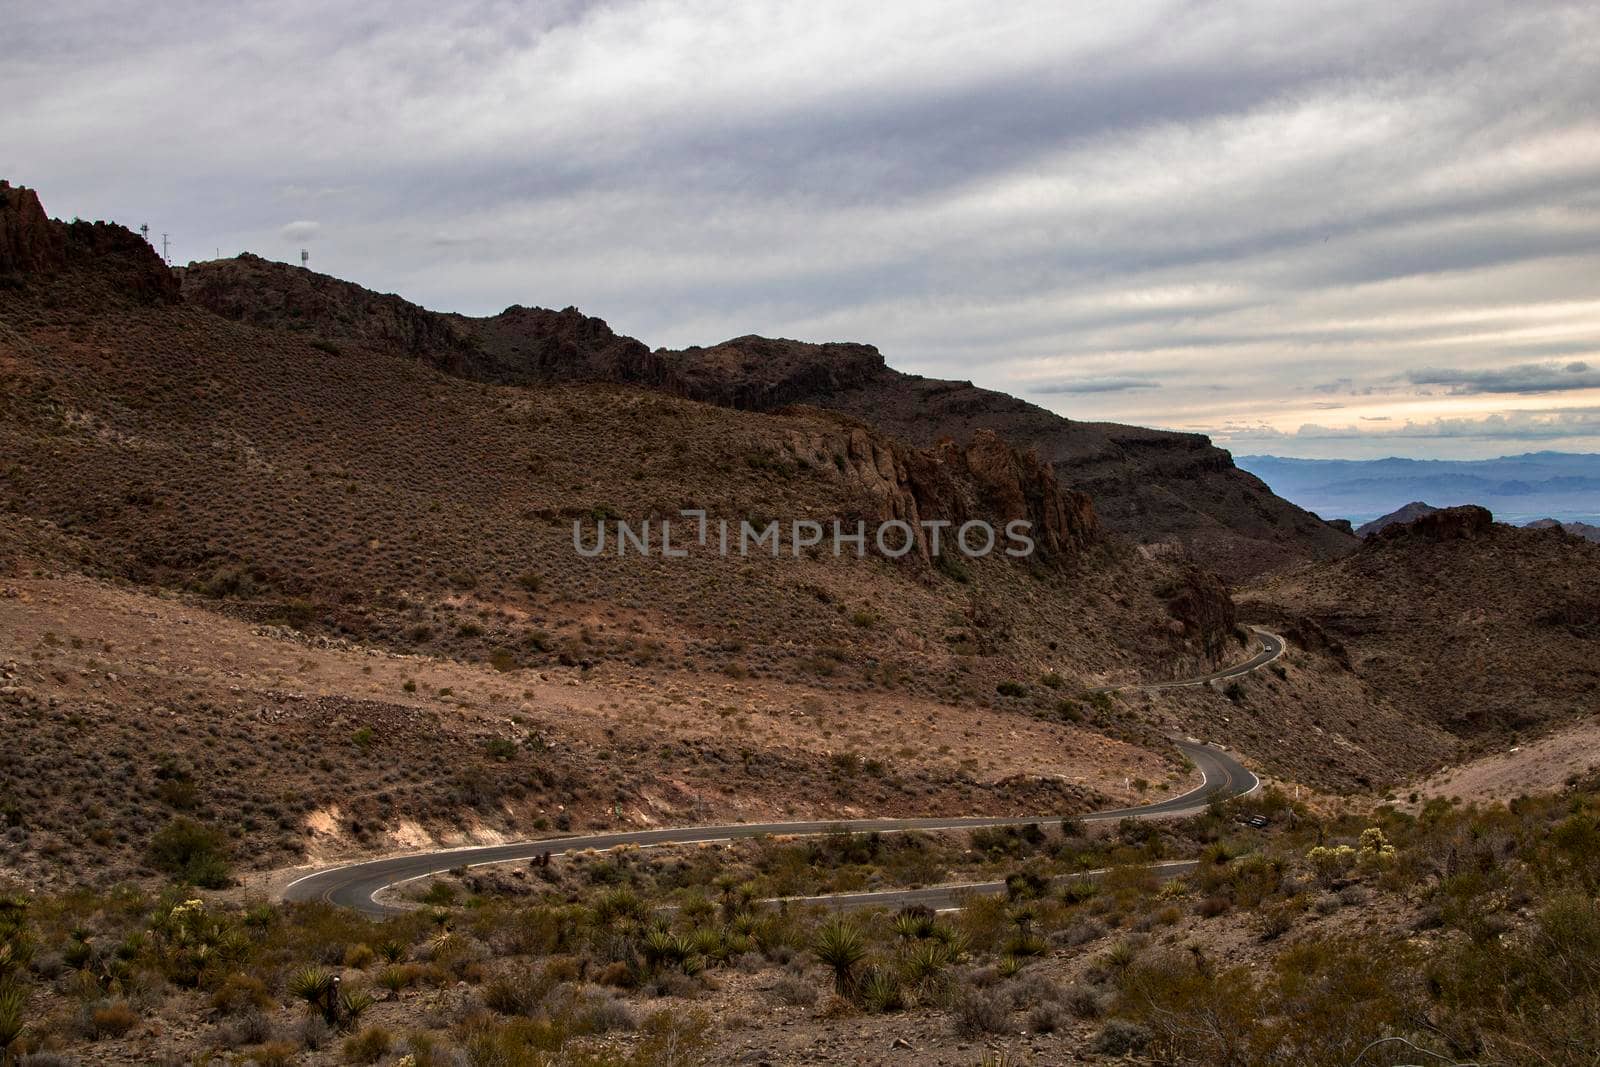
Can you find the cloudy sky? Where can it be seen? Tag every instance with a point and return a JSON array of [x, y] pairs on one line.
[[1335, 229]]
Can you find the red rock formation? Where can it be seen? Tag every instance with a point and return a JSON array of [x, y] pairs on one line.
[[985, 480], [107, 258], [29, 241]]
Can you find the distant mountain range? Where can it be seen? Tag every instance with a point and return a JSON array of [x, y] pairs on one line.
[[1517, 489]]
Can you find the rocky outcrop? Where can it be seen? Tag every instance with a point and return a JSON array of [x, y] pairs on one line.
[[985, 480], [29, 241], [1414, 510], [761, 373], [106, 258], [1151, 486], [1445, 524], [523, 346], [1148, 485], [262, 292], [1310, 635], [1202, 604], [1584, 530]]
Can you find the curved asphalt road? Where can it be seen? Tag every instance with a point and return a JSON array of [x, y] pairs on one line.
[[355, 885]]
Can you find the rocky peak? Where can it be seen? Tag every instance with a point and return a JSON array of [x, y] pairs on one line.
[[1446, 524], [107, 256]]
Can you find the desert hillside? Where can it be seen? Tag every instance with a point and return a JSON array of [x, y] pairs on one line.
[[1148, 485], [328, 594], [1484, 629]]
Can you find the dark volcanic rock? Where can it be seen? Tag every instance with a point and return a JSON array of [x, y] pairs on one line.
[[1445, 524], [1414, 510], [1147, 485], [1202, 604], [29, 240]]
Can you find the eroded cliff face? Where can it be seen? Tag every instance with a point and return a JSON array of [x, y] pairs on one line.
[[1200, 604], [33, 244], [29, 241], [984, 480]]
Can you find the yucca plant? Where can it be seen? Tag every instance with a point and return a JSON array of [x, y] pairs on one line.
[[13, 999], [315, 986], [840, 945], [927, 960], [311, 984], [879, 991], [352, 1005], [1025, 945], [913, 925]]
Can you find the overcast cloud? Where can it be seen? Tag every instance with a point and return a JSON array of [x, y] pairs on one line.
[[1314, 229]]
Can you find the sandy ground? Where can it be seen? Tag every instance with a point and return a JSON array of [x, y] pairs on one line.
[[1540, 766]]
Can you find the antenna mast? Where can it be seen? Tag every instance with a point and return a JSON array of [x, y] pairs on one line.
[[166, 257], [304, 256]]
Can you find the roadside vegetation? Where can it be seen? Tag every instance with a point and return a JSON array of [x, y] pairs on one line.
[[1450, 934]]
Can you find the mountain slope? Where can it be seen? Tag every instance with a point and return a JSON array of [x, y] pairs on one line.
[[334, 595], [1486, 630], [1148, 485]]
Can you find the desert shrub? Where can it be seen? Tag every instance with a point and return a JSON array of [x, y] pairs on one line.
[[1047, 1017], [111, 1018], [192, 852], [370, 1046], [1011, 689], [274, 1054], [440, 894], [240, 993], [879, 991], [977, 1011], [1083, 1001], [794, 990], [250, 1027], [1118, 1037], [672, 1039]]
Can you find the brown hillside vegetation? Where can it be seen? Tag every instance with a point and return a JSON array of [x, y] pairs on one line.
[[337, 501], [1486, 630], [1149, 485]]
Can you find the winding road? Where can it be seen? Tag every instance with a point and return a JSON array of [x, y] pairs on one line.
[[356, 885]]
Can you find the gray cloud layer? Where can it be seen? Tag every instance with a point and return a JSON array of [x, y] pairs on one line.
[[1170, 212], [1522, 378]]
